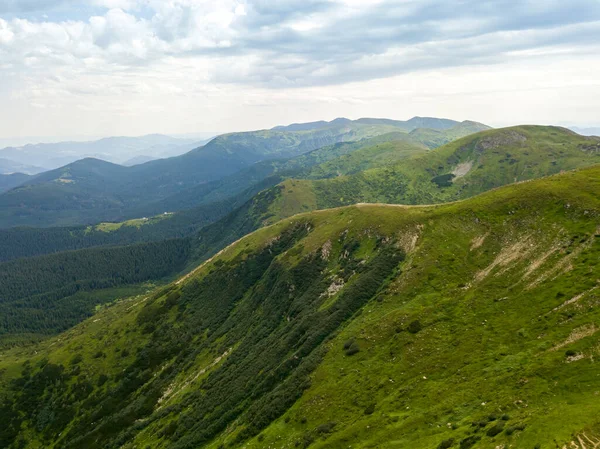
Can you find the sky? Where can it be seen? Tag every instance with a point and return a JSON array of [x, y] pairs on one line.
[[73, 68]]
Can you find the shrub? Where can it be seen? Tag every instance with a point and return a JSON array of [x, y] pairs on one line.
[[570, 353], [326, 428], [446, 444], [469, 441], [102, 379], [370, 409], [495, 430], [443, 180], [352, 349], [512, 429], [414, 327]]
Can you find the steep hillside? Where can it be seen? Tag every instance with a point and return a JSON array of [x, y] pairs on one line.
[[205, 203], [472, 324], [411, 181]]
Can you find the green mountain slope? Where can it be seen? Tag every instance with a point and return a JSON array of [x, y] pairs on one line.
[[206, 203], [472, 324], [90, 190], [458, 170]]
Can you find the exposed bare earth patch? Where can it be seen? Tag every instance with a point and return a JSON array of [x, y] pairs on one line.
[[462, 169], [337, 284], [326, 250], [576, 335], [537, 263], [565, 264], [507, 256], [574, 299], [408, 240], [478, 241]]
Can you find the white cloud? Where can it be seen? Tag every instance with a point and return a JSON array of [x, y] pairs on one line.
[[187, 65]]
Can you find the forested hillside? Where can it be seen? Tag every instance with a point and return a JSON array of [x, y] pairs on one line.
[[46, 295], [465, 325]]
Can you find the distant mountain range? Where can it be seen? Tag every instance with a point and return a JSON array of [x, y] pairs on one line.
[[92, 190], [119, 150], [8, 167], [593, 131], [137, 160]]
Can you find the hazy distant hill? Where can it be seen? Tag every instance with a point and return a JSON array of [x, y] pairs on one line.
[[137, 160], [408, 125], [112, 149], [8, 167], [595, 131]]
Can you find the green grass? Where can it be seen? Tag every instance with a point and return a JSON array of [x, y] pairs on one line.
[[134, 223], [503, 285], [458, 170]]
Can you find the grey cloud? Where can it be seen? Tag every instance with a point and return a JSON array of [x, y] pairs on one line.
[[392, 37], [418, 26]]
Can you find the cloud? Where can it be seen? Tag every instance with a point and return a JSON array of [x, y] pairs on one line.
[[111, 49], [299, 43]]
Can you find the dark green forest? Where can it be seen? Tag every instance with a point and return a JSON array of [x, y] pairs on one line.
[[49, 294]]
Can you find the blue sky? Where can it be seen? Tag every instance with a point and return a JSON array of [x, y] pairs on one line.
[[102, 67]]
